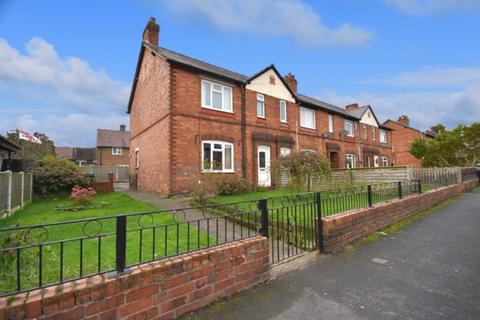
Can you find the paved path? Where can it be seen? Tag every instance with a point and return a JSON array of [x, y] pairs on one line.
[[428, 270]]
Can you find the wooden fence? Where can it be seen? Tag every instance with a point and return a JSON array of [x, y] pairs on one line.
[[120, 173], [16, 190]]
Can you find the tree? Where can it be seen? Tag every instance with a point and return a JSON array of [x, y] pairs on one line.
[[302, 169], [458, 147], [30, 150]]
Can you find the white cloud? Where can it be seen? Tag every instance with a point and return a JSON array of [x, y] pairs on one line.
[[426, 7], [290, 18], [62, 97], [433, 77]]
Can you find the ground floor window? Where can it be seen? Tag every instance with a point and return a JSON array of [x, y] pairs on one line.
[[284, 151], [384, 162], [217, 156], [137, 158], [350, 161]]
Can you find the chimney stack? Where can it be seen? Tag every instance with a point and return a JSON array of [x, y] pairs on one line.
[[291, 81], [122, 127], [404, 120], [352, 107], [151, 32]]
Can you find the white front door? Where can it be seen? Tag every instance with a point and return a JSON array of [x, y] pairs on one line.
[[263, 163], [376, 161]]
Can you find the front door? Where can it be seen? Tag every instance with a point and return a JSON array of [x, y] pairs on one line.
[[376, 161], [264, 176], [334, 160]]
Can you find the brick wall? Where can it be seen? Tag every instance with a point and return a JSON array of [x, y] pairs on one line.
[[402, 139], [164, 289], [341, 230], [106, 158]]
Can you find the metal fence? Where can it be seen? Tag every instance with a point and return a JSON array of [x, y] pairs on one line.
[[16, 189], [120, 173], [41, 255]]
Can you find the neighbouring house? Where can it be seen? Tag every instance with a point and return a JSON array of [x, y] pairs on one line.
[[113, 147], [402, 138], [81, 156], [6, 149], [189, 117]]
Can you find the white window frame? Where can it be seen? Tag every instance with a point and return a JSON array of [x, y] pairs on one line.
[[352, 133], [365, 133], [308, 110], [283, 106], [383, 136], [374, 138], [330, 123], [117, 151], [223, 144], [261, 102], [285, 151], [352, 157], [137, 158], [223, 87], [384, 162]]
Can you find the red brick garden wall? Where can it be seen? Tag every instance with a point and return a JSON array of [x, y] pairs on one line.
[[165, 289], [341, 230]]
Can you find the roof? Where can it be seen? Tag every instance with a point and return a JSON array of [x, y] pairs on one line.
[[360, 111], [8, 145], [401, 124], [324, 105], [85, 154], [272, 67], [64, 152], [113, 138]]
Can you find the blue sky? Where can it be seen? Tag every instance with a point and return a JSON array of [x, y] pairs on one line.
[[66, 66]]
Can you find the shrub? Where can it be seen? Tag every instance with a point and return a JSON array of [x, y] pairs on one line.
[[82, 195], [55, 175], [227, 185], [202, 188]]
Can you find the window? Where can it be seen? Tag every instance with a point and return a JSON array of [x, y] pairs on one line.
[[384, 162], [350, 161], [117, 151], [137, 158], [348, 126], [308, 151], [383, 136], [284, 151], [307, 118], [216, 96], [365, 136], [330, 122], [373, 134], [217, 156], [283, 111], [260, 106]]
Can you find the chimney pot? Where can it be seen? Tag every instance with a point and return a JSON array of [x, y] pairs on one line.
[[151, 32], [122, 127], [291, 82]]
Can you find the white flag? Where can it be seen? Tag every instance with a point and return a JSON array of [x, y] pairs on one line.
[[29, 137]]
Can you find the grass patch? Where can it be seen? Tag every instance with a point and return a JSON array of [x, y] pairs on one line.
[[149, 237]]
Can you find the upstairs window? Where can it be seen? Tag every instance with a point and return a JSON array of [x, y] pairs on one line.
[[216, 96], [117, 151], [350, 161], [365, 135], [137, 158], [348, 126], [307, 118], [260, 106], [373, 134], [330, 123], [283, 111], [383, 136], [217, 156]]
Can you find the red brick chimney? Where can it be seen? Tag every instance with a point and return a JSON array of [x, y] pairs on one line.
[[291, 81], [404, 120], [151, 32], [352, 107], [123, 127]]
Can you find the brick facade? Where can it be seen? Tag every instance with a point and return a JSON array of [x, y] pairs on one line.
[[165, 289], [106, 158]]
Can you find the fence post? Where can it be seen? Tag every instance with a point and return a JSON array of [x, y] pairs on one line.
[[262, 205], [318, 201], [9, 192], [121, 243], [419, 186], [31, 187], [400, 191], [369, 195], [22, 189]]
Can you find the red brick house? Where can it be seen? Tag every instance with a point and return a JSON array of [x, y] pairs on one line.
[[113, 147], [188, 117], [402, 138]]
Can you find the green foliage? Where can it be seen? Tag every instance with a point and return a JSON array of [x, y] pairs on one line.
[[208, 185], [55, 175], [227, 185], [30, 150], [458, 147], [82, 195], [302, 169]]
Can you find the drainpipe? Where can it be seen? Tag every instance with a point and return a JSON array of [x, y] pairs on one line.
[[244, 131], [296, 127], [360, 157]]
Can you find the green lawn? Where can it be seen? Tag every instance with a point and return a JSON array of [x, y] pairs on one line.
[[143, 245]]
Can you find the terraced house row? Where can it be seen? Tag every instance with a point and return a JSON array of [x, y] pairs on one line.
[[188, 117]]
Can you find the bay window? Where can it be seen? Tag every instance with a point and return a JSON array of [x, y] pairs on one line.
[[217, 156], [216, 96]]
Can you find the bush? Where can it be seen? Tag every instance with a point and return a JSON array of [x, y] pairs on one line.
[[55, 175], [202, 188], [227, 185], [82, 195]]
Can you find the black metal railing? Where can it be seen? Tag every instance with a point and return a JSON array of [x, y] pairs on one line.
[[40, 255]]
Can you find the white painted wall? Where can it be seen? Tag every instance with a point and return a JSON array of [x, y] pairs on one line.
[[369, 120], [261, 84]]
